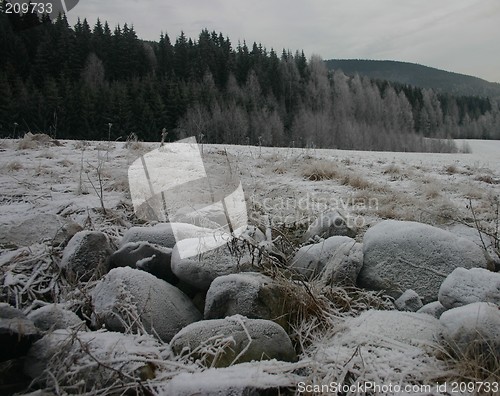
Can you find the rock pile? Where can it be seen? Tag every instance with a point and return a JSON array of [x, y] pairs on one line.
[[222, 301]]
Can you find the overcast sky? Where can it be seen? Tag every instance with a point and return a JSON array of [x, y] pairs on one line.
[[456, 35]]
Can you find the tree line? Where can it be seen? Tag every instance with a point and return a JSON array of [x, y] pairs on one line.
[[86, 82]]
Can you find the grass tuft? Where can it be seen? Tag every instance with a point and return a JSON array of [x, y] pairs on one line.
[[321, 170], [14, 166]]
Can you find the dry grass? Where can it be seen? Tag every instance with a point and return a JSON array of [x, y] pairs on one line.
[[133, 144], [81, 144], [137, 146], [391, 169], [488, 179], [46, 154], [280, 169], [27, 144], [451, 169], [119, 185], [274, 157], [32, 141], [321, 170], [4, 144], [479, 362], [65, 163], [311, 308], [356, 181], [472, 192], [432, 190], [14, 166]]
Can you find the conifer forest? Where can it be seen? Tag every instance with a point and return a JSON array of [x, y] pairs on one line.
[[100, 83]]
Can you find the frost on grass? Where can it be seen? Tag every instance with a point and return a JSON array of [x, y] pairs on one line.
[[30, 275], [99, 362], [379, 347]]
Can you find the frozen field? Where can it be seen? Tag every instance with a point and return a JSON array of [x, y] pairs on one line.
[[292, 185]]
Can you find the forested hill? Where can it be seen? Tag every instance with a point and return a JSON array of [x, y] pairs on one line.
[[97, 82], [417, 75]]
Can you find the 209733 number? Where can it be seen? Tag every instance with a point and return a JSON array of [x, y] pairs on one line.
[[28, 8], [479, 387]]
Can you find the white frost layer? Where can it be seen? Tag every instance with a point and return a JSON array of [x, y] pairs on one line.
[[464, 287], [477, 323], [238, 380], [381, 347], [311, 259], [74, 356], [125, 294], [164, 234], [401, 255]]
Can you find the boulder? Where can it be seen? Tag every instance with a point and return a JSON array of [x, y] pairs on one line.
[[70, 359], [406, 327], [401, 255], [54, 316], [211, 216], [464, 287], [86, 255], [329, 224], [473, 329], [162, 234], [409, 301], [42, 227], [17, 333], [125, 295], [343, 267], [240, 339], [310, 260], [434, 308], [250, 294], [146, 257], [253, 235], [200, 270], [388, 346]]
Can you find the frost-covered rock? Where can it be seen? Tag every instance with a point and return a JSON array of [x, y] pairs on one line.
[[406, 327], [86, 255], [42, 227], [386, 346], [329, 224], [211, 216], [344, 265], [162, 234], [464, 287], [250, 294], [434, 308], [17, 332], [244, 379], [310, 260], [401, 255], [125, 295], [253, 235], [267, 341], [199, 270], [146, 257], [473, 328], [409, 301], [70, 359], [54, 316]]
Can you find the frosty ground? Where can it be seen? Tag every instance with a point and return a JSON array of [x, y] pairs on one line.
[[290, 187]]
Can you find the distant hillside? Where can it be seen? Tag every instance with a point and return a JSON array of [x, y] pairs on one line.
[[418, 75]]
